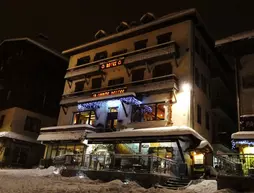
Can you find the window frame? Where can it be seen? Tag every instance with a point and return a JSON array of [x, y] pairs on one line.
[[2, 120], [161, 40], [141, 42], [155, 112], [92, 87], [79, 82], [33, 121], [98, 55], [79, 61], [199, 114], [90, 113], [122, 78], [136, 71], [119, 52]]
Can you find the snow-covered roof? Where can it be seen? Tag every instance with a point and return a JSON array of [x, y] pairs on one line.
[[249, 115], [148, 132], [243, 135], [36, 44], [63, 127], [107, 97], [64, 135], [235, 37], [13, 135], [169, 17]]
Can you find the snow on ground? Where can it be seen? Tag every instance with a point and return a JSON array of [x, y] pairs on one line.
[[45, 181]]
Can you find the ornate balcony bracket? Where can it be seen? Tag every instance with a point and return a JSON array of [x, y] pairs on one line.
[[149, 67], [124, 109], [176, 62], [65, 109], [103, 77], [69, 82], [87, 80], [127, 70]]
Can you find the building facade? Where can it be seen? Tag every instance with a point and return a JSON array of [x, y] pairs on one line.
[[156, 74], [239, 47], [31, 88]]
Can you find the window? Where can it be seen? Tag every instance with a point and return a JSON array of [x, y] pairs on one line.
[[248, 81], [2, 120], [140, 44], [209, 60], [119, 52], [96, 83], [164, 38], [203, 83], [199, 115], [116, 81], [32, 124], [101, 55], [83, 60], [137, 75], [162, 70], [197, 45], [197, 77], [86, 117], [148, 112], [207, 120], [203, 54], [79, 86]]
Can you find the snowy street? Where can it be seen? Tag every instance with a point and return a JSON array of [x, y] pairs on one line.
[[36, 180]]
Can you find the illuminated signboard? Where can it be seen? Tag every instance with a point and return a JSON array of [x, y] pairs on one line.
[[111, 92], [111, 64]]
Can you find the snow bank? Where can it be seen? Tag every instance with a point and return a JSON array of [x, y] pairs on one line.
[[44, 181]]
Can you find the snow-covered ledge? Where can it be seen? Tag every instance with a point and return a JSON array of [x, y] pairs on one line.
[[243, 135]]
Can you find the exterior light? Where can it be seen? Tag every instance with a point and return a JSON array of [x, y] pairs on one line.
[[113, 103], [186, 87]]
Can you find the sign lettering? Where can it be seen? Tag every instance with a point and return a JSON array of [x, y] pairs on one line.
[[111, 64], [107, 93]]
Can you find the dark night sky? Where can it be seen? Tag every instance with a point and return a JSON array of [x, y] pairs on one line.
[[71, 23]]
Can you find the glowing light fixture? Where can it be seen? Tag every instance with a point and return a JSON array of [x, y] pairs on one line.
[[113, 103], [186, 87]]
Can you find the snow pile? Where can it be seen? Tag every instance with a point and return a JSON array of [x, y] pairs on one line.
[[206, 186], [29, 172]]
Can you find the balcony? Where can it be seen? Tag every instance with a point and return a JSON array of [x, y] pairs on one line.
[[153, 53], [153, 85]]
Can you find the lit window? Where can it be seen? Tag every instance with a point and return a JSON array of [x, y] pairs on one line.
[[86, 117], [148, 112]]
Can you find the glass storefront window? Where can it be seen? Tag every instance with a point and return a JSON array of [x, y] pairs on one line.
[[148, 112], [86, 117], [54, 151], [70, 149], [61, 150]]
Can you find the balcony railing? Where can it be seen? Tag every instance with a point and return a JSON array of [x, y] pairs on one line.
[[123, 162], [162, 83], [168, 49]]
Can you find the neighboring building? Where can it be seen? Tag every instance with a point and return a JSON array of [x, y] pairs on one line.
[[240, 47], [31, 85], [161, 73]]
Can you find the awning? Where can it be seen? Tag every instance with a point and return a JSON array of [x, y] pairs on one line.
[[61, 136], [164, 133], [108, 97], [13, 135]]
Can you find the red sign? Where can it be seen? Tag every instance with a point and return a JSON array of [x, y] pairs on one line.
[[111, 64], [111, 92]]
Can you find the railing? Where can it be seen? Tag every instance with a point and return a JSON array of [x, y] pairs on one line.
[[235, 164], [171, 77], [138, 163]]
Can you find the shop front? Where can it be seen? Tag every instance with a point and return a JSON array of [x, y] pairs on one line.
[[173, 151]]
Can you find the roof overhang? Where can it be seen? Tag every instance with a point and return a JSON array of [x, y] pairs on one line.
[[68, 127], [16, 136], [243, 135], [157, 134]]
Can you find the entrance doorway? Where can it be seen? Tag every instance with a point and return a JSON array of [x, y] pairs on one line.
[[112, 118]]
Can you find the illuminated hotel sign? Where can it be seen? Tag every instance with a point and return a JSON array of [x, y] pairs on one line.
[[111, 92], [111, 64]]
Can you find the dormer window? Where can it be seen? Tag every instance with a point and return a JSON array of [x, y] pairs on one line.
[[83, 60], [101, 55], [164, 38], [140, 44]]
